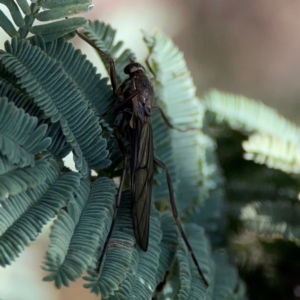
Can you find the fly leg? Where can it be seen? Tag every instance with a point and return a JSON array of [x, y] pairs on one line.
[[175, 215], [112, 68], [157, 108], [164, 116], [112, 75], [118, 199], [119, 105], [150, 68]]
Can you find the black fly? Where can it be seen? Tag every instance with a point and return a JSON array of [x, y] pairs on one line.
[[133, 125]]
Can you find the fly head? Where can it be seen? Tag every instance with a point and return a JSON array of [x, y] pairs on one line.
[[133, 68]]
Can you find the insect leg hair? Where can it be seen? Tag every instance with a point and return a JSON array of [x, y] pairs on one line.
[[178, 223], [118, 201]]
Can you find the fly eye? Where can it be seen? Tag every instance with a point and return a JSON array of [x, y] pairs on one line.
[[130, 69]]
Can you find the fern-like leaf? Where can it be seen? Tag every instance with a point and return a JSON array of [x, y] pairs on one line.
[[103, 36], [184, 280], [7, 25], [273, 220], [23, 214], [54, 10], [95, 89], [65, 105], [202, 250], [58, 147], [20, 136], [164, 151], [51, 10], [76, 234], [119, 255], [15, 13], [145, 282], [275, 152], [249, 116], [176, 95], [226, 282], [168, 245]]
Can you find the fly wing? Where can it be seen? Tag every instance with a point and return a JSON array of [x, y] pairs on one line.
[[141, 179]]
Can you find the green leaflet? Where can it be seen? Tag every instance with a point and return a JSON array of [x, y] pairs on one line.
[[60, 88], [19, 180], [272, 219], [20, 136], [5, 164], [184, 282], [15, 13], [202, 250], [145, 282], [49, 4], [119, 255], [210, 216], [168, 245], [23, 4], [174, 88], [176, 95], [57, 29], [125, 288], [273, 141], [76, 234], [23, 214], [139, 269], [246, 115], [163, 150], [66, 105], [61, 12], [58, 146], [226, 278], [193, 151], [7, 25], [275, 152], [95, 89], [103, 37], [51, 10]]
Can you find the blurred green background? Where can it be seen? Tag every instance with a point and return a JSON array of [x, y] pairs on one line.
[[249, 47]]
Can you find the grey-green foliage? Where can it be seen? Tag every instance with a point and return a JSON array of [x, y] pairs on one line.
[[78, 230], [273, 140], [15, 94], [227, 284], [23, 214], [175, 93], [162, 258], [263, 198], [43, 11], [273, 219], [55, 91], [104, 38], [69, 105], [275, 152], [249, 116], [20, 137]]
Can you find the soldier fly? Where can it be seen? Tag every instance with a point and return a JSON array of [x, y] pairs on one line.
[[133, 125]]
